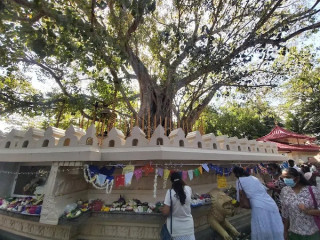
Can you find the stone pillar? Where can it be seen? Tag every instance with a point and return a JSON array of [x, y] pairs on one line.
[[49, 214]]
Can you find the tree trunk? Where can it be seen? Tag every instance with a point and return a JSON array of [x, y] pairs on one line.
[[158, 104], [156, 99]]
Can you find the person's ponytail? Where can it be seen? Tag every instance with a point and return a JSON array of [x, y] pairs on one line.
[[178, 186]]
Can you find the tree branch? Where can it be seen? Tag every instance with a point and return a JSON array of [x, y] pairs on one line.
[[310, 27], [195, 112], [139, 68], [118, 84], [50, 71], [276, 42]]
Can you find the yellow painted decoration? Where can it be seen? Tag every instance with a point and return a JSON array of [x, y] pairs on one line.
[[222, 181]]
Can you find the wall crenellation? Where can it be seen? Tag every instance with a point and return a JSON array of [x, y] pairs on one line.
[[77, 137]]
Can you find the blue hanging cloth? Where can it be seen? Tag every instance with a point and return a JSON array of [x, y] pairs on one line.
[[106, 171], [110, 178], [93, 170], [101, 178], [211, 166]]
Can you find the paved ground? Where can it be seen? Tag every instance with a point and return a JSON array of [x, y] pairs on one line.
[[9, 236]]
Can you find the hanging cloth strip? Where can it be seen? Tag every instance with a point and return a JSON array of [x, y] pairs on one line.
[[119, 181], [160, 172], [147, 169], [205, 167], [190, 173], [196, 172], [127, 169], [128, 178], [101, 179], [106, 171], [166, 174], [184, 175], [165, 177], [138, 173], [93, 170]]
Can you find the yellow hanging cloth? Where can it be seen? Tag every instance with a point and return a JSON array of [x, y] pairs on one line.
[[166, 174]]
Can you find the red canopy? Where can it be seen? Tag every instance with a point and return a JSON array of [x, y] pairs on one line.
[[281, 133], [295, 147]]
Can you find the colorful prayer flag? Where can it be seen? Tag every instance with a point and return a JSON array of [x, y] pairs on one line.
[[166, 174], [127, 169], [205, 167], [120, 180], [128, 177], [190, 173], [196, 172], [138, 173]]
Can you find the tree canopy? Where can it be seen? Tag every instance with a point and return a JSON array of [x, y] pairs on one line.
[[303, 106], [251, 119], [180, 53]]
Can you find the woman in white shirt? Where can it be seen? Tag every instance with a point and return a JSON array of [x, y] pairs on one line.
[[266, 222], [182, 221]]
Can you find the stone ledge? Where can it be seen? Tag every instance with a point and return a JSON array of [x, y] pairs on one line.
[[35, 230], [17, 215], [115, 226]]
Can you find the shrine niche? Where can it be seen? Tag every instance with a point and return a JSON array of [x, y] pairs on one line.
[[12, 139], [177, 138], [243, 144], [137, 138], [234, 144], [223, 142], [72, 136], [51, 137], [252, 146], [194, 139], [159, 138], [30, 138], [210, 141], [115, 138], [90, 138]]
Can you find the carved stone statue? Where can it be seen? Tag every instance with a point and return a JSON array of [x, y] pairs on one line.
[[221, 207]]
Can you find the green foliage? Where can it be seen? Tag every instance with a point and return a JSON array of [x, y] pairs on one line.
[[251, 119], [303, 104], [16, 91], [178, 51]]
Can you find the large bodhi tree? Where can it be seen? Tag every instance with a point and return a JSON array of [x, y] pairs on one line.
[[181, 52]]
